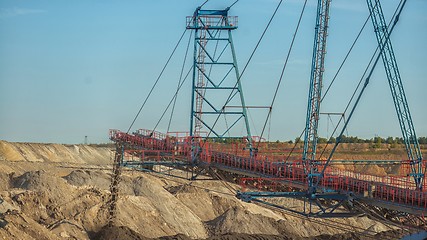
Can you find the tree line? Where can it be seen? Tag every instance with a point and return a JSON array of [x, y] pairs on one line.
[[375, 140]]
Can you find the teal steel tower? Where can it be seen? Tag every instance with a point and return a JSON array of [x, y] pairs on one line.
[[217, 101], [315, 92], [397, 91]]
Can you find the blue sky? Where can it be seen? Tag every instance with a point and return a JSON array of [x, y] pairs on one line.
[[74, 68]]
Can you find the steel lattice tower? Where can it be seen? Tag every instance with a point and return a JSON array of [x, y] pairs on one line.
[[397, 91], [217, 102], [315, 91]]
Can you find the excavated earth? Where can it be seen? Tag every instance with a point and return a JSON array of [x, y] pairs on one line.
[[54, 191]]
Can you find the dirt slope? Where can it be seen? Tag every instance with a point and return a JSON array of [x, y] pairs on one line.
[[60, 153], [45, 198]]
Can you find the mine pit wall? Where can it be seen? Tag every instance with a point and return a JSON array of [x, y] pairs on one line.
[[21, 156], [55, 153]]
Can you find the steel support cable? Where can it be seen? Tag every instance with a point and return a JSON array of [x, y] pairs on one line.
[[157, 80], [346, 56], [224, 181], [179, 82], [378, 217], [324, 222], [269, 128], [233, 4], [230, 97], [400, 102], [253, 123], [295, 145], [336, 74], [394, 20], [350, 101], [218, 32], [215, 51], [203, 4], [283, 69], [226, 124], [171, 101], [200, 64], [376, 214], [333, 80], [180, 79], [161, 73], [192, 185]]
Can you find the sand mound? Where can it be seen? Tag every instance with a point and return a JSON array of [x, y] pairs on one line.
[[89, 178], [209, 206], [59, 202], [117, 232], [21, 226], [175, 237], [166, 215], [9, 152], [239, 220], [49, 198], [7, 208], [40, 181], [243, 236], [42, 152], [149, 210], [5, 181], [214, 199], [344, 236], [69, 230], [101, 180]]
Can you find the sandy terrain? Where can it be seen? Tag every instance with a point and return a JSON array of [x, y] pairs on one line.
[[53, 191]]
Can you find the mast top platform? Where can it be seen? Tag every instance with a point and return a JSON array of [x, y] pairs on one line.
[[211, 19]]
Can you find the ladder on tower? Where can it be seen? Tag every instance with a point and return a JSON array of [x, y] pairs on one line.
[[200, 82]]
